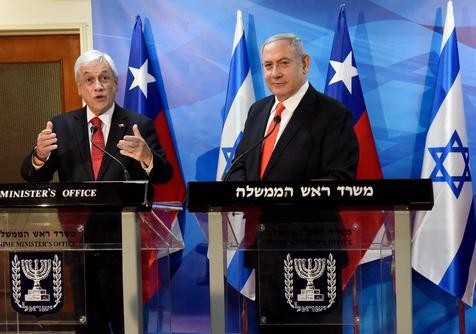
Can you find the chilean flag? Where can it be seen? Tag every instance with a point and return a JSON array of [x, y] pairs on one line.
[[343, 84], [142, 95]]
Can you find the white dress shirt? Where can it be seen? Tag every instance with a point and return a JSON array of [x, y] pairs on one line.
[[290, 106]]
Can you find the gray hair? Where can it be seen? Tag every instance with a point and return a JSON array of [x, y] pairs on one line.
[[90, 56], [293, 40]]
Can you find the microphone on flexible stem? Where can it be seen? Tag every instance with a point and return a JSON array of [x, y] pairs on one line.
[[124, 170], [276, 120]]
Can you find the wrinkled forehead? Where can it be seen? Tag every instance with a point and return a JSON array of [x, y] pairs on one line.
[[96, 67], [277, 50]]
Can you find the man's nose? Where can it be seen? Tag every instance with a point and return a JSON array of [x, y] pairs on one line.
[[98, 85], [276, 72]]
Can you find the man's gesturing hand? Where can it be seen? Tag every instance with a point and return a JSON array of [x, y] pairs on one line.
[[45, 142], [135, 147]]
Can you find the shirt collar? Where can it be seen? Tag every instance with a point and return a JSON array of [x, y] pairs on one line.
[[292, 102], [105, 117]]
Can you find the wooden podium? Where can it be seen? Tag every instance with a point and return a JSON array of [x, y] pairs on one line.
[[400, 196]]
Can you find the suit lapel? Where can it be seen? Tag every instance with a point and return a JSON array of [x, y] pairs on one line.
[[80, 129], [116, 133], [303, 111]]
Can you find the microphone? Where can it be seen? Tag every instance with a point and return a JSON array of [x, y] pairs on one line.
[[276, 120], [124, 170]]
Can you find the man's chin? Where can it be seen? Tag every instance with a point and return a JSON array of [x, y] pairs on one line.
[[280, 92], [99, 109], [281, 96]]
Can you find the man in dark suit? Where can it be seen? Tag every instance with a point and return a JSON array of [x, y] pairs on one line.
[[308, 136], [315, 137], [64, 146]]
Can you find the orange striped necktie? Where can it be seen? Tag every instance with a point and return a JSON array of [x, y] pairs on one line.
[[270, 142]]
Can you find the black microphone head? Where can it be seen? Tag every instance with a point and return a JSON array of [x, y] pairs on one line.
[[93, 129], [277, 119]]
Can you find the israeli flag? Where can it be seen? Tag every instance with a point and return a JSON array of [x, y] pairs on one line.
[[239, 98], [444, 238]]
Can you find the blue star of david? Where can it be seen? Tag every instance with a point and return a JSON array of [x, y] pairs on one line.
[[229, 152], [440, 174]]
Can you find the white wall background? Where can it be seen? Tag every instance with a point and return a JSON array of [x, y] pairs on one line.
[[20, 16]]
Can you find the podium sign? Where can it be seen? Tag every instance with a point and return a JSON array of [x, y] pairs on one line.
[[117, 194]]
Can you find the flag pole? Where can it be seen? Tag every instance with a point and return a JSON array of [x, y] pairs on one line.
[[244, 317], [462, 321], [355, 305]]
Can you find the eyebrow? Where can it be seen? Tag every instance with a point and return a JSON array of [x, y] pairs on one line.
[[102, 72], [280, 59]]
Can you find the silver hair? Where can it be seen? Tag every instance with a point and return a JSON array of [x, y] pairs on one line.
[[293, 40], [90, 56]]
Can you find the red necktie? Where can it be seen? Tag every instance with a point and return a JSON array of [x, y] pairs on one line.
[[269, 142], [98, 139]]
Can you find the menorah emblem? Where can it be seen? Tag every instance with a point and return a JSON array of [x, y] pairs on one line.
[[310, 270], [36, 270]]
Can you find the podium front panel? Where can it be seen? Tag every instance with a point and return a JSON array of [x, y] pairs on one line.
[[48, 255], [43, 260], [389, 307], [295, 271]]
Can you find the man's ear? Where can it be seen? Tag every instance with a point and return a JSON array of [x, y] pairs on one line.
[[306, 62], [79, 90]]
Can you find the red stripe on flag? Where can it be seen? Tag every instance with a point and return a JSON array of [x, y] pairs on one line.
[[370, 221], [152, 237], [174, 190], [369, 165], [150, 274], [362, 235]]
